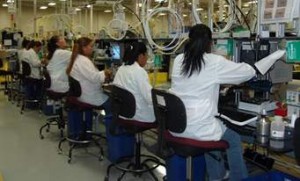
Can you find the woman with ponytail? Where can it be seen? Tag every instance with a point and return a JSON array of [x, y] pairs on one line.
[[196, 78], [134, 78], [58, 60], [90, 78]]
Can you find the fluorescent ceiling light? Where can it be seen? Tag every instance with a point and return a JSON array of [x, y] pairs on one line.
[[252, 2], [4, 5], [159, 1], [43, 7], [184, 15], [63, 0], [51, 4], [140, 5], [107, 11], [199, 9], [162, 14], [10, 1], [77, 9], [88, 6]]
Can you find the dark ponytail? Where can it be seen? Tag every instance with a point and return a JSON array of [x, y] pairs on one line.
[[132, 52], [78, 49], [200, 38], [52, 46]]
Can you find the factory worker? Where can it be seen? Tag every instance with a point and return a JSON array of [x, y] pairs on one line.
[[58, 60], [90, 78], [22, 52], [196, 78], [134, 78], [34, 89]]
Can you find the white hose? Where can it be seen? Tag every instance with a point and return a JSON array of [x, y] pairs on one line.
[[195, 13], [176, 41]]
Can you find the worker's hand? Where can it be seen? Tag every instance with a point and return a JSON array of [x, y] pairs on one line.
[[108, 75]]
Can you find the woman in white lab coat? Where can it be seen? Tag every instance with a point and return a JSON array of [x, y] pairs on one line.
[[34, 89], [196, 78], [22, 53], [132, 76], [58, 60], [90, 78]]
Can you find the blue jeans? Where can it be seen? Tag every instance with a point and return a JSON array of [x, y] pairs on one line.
[[107, 108], [237, 167]]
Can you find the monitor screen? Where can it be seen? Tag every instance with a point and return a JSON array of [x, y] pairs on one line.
[[115, 51]]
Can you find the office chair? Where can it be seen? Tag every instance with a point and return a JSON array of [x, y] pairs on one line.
[[56, 117], [27, 82], [296, 137], [123, 109], [80, 116], [170, 113]]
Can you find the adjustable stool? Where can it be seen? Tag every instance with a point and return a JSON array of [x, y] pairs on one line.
[[123, 104], [57, 117], [170, 113]]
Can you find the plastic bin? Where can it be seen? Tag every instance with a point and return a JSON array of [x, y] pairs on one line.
[[176, 168], [75, 122], [118, 146], [272, 176]]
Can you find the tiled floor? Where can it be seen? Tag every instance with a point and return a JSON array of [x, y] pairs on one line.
[[25, 157]]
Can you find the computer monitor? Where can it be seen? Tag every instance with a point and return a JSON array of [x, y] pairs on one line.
[[115, 49]]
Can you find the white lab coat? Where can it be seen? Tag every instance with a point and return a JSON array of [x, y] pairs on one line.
[[135, 79], [21, 57], [32, 58], [90, 79], [200, 93], [57, 70]]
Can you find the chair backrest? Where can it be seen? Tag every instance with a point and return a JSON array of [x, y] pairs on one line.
[[26, 69], [47, 80], [296, 138], [169, 110], [122, 104], [74, 87]]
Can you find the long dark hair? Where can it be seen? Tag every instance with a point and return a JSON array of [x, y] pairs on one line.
[[132, 52], [52, 46], [199, 43], [78, 49]]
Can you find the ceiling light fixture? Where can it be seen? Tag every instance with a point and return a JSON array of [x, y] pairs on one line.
[[77, 9], [51, 3], [62, 0], [88, 6], [199, 9], [4, 5], [43, 7], [107, 11]]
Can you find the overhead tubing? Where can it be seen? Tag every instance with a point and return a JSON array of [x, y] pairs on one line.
[[105, 2]]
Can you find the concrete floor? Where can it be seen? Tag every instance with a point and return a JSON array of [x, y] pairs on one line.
[[25, 157]]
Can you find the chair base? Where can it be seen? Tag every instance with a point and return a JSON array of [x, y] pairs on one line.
[[25, 101], [53, 120], [79, 143], [137, 169]]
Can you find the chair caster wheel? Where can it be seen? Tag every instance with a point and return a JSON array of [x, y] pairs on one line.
[[69, 160], [42, 137], [59, 151], [165, 178], [47, 130], [106, 178], [100, 158]]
